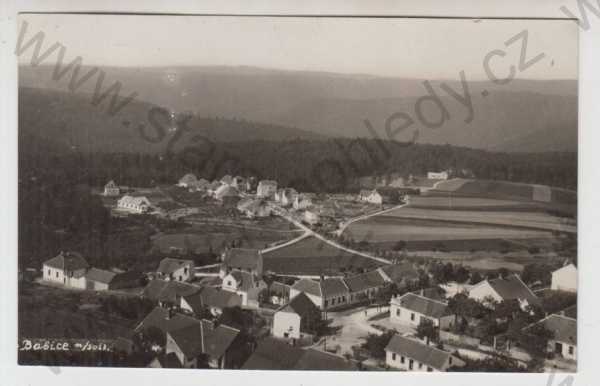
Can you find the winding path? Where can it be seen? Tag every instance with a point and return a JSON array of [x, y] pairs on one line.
[[366, 216]]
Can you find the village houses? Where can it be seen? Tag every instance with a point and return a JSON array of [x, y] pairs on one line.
[[175, 269], [370, 196], [565, 278], [254, 208], [443, 175], [504, 289], [168, 293], [411, 309], [213, 300], [243, 259], [296, 320], [246, 285], [411, 355], [302, 201], [111, 189], [137, 204], [187, 181], [326, 294], [266, 188], [564, 335]]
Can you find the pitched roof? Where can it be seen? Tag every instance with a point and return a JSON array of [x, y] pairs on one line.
[[318, 360], [273, 354], [428, 355], [204, 337], [565, 268], [570, 312], [309, 286], [245, 280], [513, 288], [365, 281], [333, 287], [134, 200], [399, 272], [100, 275], [268, 182], [212, 297], [422, 305], [111, 184], [159, 318], [226, 191], [243, 258], [67, 261], [168, 290], [280, 288], [301, 305], [563, 327], [169, 265]]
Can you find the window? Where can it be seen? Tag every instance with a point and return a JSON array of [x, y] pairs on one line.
[[412, 316], [332, 301], [429, 369], [450, 360], [420, 366], [571, 350], [410, 364], [401, 359], [325, 303], [229, 282], [397, 311], [56, 273], [185, 270], [393, 356], [49, 272]]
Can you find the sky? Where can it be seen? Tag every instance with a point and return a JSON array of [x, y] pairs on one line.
[[391, 47]]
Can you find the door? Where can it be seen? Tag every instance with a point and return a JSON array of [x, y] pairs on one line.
[[558, 348], [410, 364]]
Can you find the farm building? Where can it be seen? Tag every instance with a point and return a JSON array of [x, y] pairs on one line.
[[168, 293], [246, 285], [266, 188], [296, 320], [175, 269], [412, 308], [365, 285], [504, 289], [565, 278], [276, 354], [311, 216], [286, 196], [412, 355], [138, 204], [326, 294], [190, 338], [370, 196], [564, 340], [302, 201], [67, 268], [210, 299], [437, 175], [227, 194], [243, 259], [111, 189]]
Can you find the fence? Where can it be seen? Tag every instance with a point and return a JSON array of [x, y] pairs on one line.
[[446, 336]]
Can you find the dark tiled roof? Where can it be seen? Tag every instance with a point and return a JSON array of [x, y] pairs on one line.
[[308, 286], [302, 306], [563, 327], [100, 275], [512, 288], [204, 337], [273, 354], [158, 318], [243, 258], [433, 293], [169, 265], [280, 289], [365, 281], [168, 291], [67, 261], [318, 360], [422, 305], [333, 287], [428, 355], [212, 297]]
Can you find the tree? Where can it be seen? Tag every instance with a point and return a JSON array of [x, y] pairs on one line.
[[375, 344], [475, 278], [426, 330]]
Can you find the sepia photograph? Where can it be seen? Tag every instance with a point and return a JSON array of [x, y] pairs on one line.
[[298, 192]]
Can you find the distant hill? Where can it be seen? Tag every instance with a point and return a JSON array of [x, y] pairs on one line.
[[59, 120], [524, 115]]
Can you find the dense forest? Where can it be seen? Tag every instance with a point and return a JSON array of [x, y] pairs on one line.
[[330, 165]]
